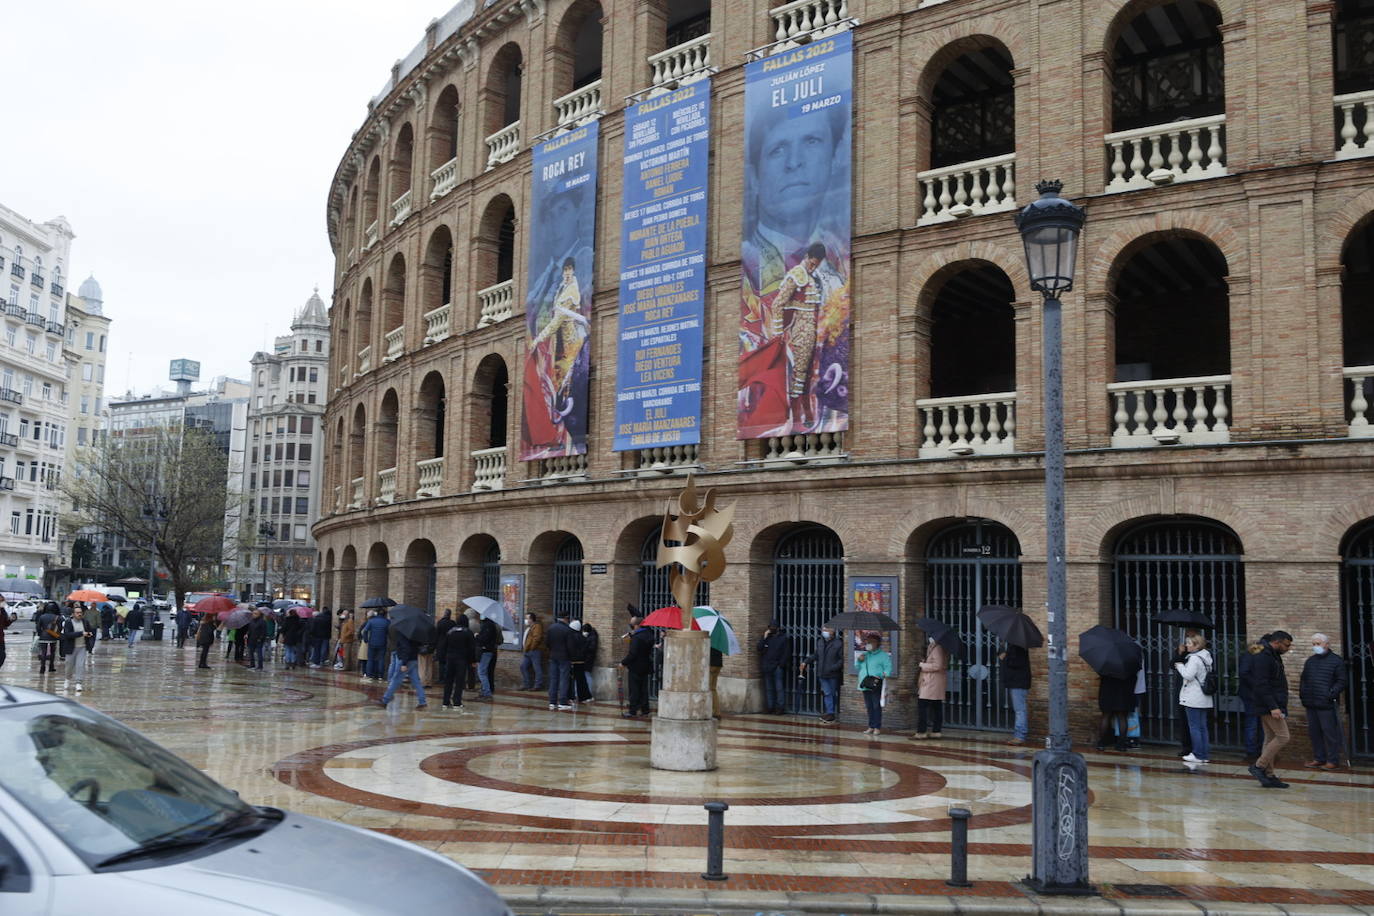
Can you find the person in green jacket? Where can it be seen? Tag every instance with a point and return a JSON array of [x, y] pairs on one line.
[[874, 662]]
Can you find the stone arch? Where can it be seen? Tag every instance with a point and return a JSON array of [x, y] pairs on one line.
[[1097, 536], [1107, 20], [393, 298], [489, 403], [362, 321], [1111, 253], [347, 592], [1329, 536], [944, 507], [378, 572], [494, 244], [472, 557], [502, 90], [1338, 228], [431, 413], [402, 162], [372, 192], [418, 582], [578, 39], [443, 127], [357, 458], [388, 419], [436, 270], [936, 267]]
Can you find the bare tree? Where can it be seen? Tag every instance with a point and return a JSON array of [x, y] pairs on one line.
[[166, 487]]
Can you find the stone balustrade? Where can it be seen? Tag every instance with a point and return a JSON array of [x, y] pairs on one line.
[[430, 474], [681, 64], [445, 178], [980, 424], [365, 360], [503, 145], [357, 501], [562, 468], [583, 104], [395, 341], [496, 303], [805, 448], [1355, 136], [667, 459], [489, 466], [1186, 411], [1360, 385], [400, 209], [437, 323], [386, 487], [817, 18], [1149, 157], [370, 235], [968, 189]]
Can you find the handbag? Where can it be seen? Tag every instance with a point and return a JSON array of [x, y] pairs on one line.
[[872, 682]]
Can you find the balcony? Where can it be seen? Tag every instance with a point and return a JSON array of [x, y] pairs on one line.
[[15, 310], [1353, 136], [36, 280], [364, 360], [578, 106], [55, 327], [805, 448], [1360, 380], [503, 145], [386, 487], [9, 394], [495, 303], [816, 18], [370, 235], [980, 424], [400, 209], [445, 178], [34, 319], [357, 501], [6, 483], [1150, 157], [431, 477], [681, 64], [57, 289], [561, 469], [16, 271], [489, 467], [968, 189], [395, 341], [437, 323], [9, 440], [1160, 411], [668, 459]]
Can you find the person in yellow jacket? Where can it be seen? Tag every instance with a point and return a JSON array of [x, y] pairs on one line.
[[532, 665]]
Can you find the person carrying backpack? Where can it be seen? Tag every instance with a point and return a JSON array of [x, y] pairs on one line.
[[1195, 695]]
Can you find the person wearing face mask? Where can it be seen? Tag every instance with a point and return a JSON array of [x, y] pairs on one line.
[[1269, 686], [532, 665], [875, 666], [1320, 689], [828, 661], [931, 684]]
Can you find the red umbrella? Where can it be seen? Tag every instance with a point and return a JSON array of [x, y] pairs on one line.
[[214, 604], [301, 611], [669, 618]]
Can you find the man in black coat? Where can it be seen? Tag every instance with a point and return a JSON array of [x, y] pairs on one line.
[[440, 630], [639, 665], [775, 654], [1320, 688], [321, 626], [827, 661], [456, 652], [558, 642], [1269, 687], [134, 622], [256, 635], [488, 641]]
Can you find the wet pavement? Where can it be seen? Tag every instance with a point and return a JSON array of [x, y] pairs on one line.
[[561, 812]]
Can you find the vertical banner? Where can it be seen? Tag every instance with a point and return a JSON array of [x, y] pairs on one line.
[[513, 602], [794, 321], [558, 305], [663, 270], [878, 595]]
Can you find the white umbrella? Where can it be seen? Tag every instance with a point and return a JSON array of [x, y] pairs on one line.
[[492, 610]]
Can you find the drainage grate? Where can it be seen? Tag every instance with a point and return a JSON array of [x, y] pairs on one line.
[[1147, 890]]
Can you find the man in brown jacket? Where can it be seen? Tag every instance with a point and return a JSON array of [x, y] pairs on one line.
[[532, 665], [348, 638]]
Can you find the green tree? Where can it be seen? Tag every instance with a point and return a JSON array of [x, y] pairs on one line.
[[167, 487]]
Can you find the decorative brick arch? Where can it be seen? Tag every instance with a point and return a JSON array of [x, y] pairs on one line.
[[1006, 257], [1094, 538], [1103, 21], [1339, 226], [1029, 530], [935, 50], [1326, 545], [1113, 251], [762, 537]]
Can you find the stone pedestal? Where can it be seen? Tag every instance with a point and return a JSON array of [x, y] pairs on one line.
[[684, 734]]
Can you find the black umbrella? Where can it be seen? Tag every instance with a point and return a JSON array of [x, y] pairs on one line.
[[943, 634], [1110, 652], [381, 601], [413, 623], [861, 620], [1182, 617], [1011, 626]]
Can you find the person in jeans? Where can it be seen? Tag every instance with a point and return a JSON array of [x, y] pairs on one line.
[[1016, 677], [488, 641], [1197, 705], [827, 659], [579, 690], [256, 634], [134, 622], [775, 654], [874, 662], [1320, 688], [73, 644], [1269, 686], [1250, 724], [931, 684], [532, 665], [407, 665], [374, 633], [559, 641]]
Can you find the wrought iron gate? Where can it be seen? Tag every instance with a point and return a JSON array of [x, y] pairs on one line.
[[971, 565], [654, 594], [808, 589], [1195, 565], [1357, 613], [567, 579], [491, 573]]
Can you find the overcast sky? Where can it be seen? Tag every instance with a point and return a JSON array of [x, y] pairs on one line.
[[190, 145]]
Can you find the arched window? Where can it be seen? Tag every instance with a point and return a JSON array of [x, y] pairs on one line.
[[1353, 46], [394, 309], [430, 418], [974, 108], [567, 579], [1167, 66], [402, 161], [808, 589], [1357, 327], [443, 141], [1357, 615], [385, 432], [491, 572]]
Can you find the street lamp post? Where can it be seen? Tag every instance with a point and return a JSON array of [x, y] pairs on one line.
[[1059, 784]]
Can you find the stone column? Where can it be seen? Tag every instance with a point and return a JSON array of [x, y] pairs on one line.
[[684, 734]]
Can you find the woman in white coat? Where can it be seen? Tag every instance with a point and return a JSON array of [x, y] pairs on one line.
[[1197, 704]]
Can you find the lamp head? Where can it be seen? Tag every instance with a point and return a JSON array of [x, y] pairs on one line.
[[1049, 229]]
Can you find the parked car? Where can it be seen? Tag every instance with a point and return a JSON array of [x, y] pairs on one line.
[[24, 609], [96, 818]]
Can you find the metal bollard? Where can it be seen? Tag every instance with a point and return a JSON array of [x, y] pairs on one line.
[[958, 848], [715, 841]]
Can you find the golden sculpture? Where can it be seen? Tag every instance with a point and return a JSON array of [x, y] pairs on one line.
[[702, 532]]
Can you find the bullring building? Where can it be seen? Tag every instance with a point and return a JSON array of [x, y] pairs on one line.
[[583, 250]]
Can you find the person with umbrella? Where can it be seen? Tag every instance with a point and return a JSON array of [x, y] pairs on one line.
[[1117, 659], [205, 638], [1014, 662], [256, 631], [407, 661], [874, 667], [374, 633], [1194, 699], [488, 641], [931, 684], [827, 658], [639, 665], [775, 654]]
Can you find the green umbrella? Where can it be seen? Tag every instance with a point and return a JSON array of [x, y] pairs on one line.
[[723, 637]]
